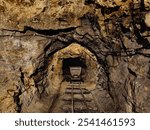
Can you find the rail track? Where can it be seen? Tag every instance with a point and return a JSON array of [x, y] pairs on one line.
[[78, 99]]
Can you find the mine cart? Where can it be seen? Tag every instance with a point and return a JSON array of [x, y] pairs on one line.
[[75, 73]]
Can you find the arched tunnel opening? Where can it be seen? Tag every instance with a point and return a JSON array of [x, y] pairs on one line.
[[73, 72], [73, 55]]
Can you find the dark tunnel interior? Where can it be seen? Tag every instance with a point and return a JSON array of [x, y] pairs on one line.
[[73, 62]]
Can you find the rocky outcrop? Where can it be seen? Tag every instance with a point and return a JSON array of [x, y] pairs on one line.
[[116, 33]]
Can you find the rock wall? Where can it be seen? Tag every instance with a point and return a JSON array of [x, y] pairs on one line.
[[117, 32]]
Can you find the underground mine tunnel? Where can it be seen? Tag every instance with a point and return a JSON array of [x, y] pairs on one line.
[[73, 74], [75, 56]]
